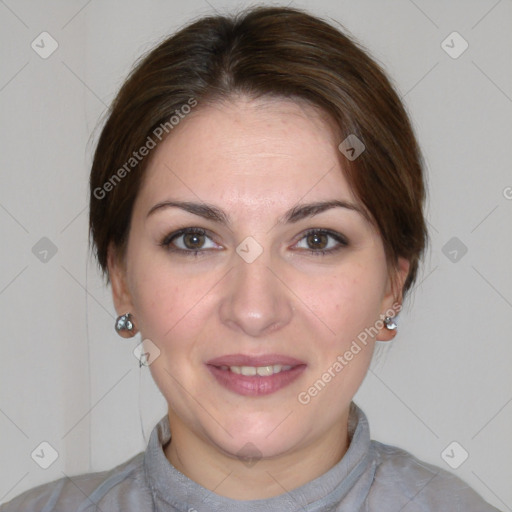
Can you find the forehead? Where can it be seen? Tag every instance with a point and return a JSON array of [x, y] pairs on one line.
[[252, 152]]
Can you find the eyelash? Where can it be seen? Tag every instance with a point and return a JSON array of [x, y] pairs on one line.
[[167, 241]]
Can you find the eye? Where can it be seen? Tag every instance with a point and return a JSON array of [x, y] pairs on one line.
[[322, 241], [193, 241], [188, 240]]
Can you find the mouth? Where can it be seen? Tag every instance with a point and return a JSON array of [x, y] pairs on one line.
[[255, 376]]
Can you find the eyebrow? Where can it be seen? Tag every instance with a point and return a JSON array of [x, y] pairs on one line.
[[295, 214]]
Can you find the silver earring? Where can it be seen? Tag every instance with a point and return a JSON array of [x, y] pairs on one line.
[[390, 323], [124, 326]]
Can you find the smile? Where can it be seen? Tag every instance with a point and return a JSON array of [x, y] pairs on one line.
[[255, 376], [262, 371]]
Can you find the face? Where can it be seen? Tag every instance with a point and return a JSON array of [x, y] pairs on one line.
[[245, 279]]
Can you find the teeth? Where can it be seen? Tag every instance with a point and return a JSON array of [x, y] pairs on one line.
[[262, 371], [249, 371]]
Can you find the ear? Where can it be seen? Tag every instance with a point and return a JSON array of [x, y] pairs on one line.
[[119, 282], [392, 301]]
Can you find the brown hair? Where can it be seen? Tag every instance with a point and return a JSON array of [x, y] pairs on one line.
[[266, 51]]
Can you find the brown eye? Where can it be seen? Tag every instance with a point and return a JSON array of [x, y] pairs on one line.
[[193, 240], [317, 240], [189, 241], [322, 241]]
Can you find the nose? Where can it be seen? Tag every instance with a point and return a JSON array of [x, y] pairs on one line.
[[256, 302]]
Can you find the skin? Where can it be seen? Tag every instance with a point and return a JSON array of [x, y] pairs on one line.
[[254, 159]]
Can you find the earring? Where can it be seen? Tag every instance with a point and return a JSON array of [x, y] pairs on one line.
[[390, 323], [125, 326]]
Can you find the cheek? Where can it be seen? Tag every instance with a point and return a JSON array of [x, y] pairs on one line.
[[170, 313], [350, 306], [347, 302], [161, 306], [169, 304]]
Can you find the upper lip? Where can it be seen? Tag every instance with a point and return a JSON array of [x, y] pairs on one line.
[[246, 360]]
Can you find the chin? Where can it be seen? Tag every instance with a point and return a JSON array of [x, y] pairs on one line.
[[256, 436]]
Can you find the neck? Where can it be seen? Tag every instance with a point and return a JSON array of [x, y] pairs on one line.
[[257, 478]]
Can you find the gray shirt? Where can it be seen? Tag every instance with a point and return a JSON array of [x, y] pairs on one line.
[[371, 476]]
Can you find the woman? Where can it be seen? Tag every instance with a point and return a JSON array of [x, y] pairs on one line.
[[257, 206]]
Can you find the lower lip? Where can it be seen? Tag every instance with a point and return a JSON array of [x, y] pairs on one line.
[[256, 385]]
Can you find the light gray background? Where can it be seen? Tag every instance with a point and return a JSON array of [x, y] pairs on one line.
[[68, 379]]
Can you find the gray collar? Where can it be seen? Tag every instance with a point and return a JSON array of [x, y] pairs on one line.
[[348, 482]]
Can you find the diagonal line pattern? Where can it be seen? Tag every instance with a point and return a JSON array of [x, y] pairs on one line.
[[12, 280], [370, 370], [10, 490], [304, 195], [14, 218], [84, 84], [97, 507], [490, 490], [267, 267], [88, 292], [217, 486], [488, 215], [209, 492], [97, 402], [279, 424], [486, 14], [13, 423], [212, 6], [491, 80], [222, 481], [75, 15], [414, 497], [165, 165], [206, 293], [501, 409], [198, 403], [493, 287], [277, 277], [14, 76], [284, 489], [421, 79], [13, 13], [73, 219], [424, 14]]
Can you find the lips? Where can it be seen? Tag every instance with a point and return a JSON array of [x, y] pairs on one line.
[[255, 375]]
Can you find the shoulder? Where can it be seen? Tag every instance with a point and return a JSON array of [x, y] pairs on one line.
[[418, 486], [123, 486]]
